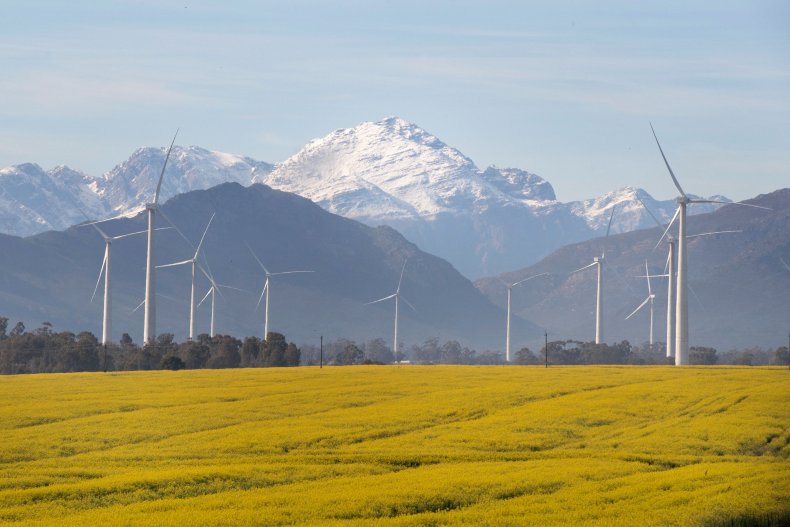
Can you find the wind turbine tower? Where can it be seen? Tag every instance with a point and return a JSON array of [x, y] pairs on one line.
[[509, 291], [681, 300], [397, 296], [149, 320]]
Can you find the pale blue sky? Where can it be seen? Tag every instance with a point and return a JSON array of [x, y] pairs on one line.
[[563, 89]]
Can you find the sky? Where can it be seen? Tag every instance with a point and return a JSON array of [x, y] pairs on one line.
[[563, 89]]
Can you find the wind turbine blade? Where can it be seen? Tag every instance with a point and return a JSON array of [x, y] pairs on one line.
[[122, 236], [138, 306], [784, 263], [648, 211], [695, 295], [289, 272], [234, 288], [206, 296], [409, 304], [204, 235], [263, 291], [644, 302], [530, 278], [677, 211], [159, 184], [393, 295], [401, 274], [711, 233], [167, 218], [666, 266], [583, 268], [126, 216], [101, 271], [729, 203], [256, 258], [611, 217], [647, 275], [674, 179], [652, 276], [174, 264]]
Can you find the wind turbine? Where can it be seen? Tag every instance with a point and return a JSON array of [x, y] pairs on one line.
[[681, 310], [397, 297], [650, 297], [149, 320], [106, 265], [509, 290], [598, 263], [194, 263], [267, 288], [669, 270]]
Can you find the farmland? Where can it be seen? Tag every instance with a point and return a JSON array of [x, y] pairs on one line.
[[387, 445]]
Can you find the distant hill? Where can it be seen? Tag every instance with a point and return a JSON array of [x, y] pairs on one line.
[[740, 281], [50, 276]]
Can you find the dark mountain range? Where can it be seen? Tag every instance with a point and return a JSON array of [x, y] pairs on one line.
[[741, 284], [50, 276]]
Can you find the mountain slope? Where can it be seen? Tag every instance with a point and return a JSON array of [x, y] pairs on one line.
[[395, 173], [389, 172], [50, 276], [740, 283]]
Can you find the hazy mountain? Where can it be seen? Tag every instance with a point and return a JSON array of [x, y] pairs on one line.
[[395, 173], [33, 200], [50, 276], [389, 172], [740, 282]]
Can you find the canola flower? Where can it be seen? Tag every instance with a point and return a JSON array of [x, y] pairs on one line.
[[408, 445]]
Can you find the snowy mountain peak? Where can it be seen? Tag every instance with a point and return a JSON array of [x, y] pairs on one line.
[[520, 184]]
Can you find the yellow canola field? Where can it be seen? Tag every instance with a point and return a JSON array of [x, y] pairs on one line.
[[397, 445]]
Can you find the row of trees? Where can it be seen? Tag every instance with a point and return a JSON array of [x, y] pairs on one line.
[[43, 350]]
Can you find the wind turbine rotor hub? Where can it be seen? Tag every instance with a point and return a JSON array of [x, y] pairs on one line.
[[150, 206]]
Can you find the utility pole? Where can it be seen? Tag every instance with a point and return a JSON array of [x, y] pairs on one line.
[[546, 335], [321, 364]]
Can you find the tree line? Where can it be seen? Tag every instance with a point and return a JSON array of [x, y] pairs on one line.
[[43, 350]]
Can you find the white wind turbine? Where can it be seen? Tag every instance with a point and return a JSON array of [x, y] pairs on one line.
[[106, 265], [267, 289], [681, 299], [669, 272], [194, 263], [650, 297], [598, 263], [509, 291], [149, 320], [396, 295], [213, 290]]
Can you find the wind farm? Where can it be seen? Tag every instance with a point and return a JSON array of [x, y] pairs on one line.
[[400, 264]]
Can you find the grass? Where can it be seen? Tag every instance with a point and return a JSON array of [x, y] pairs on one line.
[[410, 445]]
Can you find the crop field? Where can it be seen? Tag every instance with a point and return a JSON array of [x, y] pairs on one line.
[[398, 445]]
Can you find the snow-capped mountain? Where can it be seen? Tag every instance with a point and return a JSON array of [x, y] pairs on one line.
[[33, 200], [128, 186], [388, 172], [484, 221]]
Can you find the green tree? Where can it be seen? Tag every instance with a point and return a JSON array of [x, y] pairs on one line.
[[250, 352], [292, 355], [702, 355], [351, 354], [274, 349], [173, 362], [525, 356]]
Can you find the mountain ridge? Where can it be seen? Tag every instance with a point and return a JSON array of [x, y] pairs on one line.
[[385, 172]]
